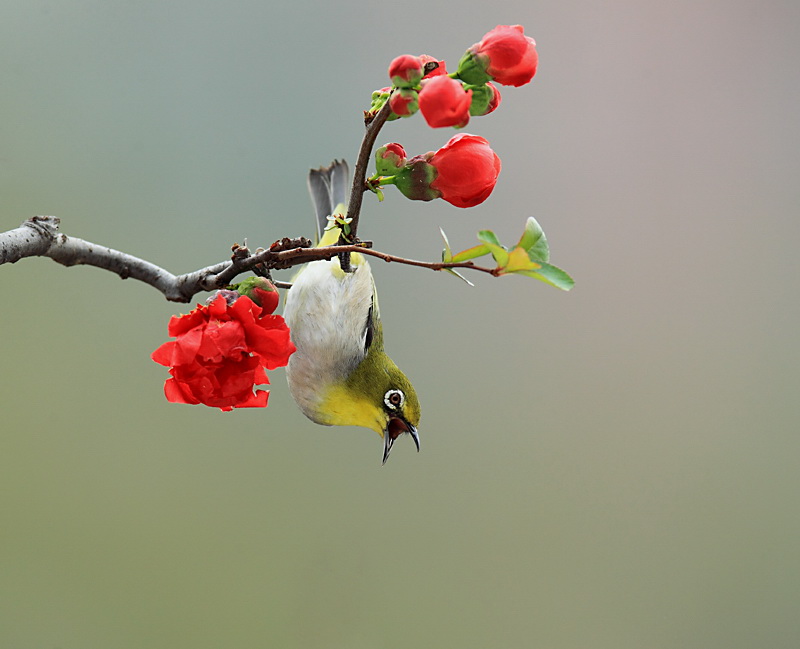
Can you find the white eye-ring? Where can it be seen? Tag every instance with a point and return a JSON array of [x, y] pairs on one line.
[[394, 399]]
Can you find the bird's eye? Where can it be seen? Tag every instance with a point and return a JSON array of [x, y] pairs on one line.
[[394, 399]]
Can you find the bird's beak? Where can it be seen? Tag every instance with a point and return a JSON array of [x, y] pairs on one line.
[[394, 429]]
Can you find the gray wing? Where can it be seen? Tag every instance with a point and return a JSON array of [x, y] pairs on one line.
[[328, 187]]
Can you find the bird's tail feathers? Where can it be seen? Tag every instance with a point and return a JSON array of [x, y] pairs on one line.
[[328, 188]]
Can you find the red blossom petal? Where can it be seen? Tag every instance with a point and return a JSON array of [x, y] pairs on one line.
[[244, 309], [179, 324], [260, 376], [436, 72], [257, 400], [274, 347], [270, 322], [223, 340], [219, 308], [186, 346], [221, 385], [269, 337], [175, 394], [163, 355]]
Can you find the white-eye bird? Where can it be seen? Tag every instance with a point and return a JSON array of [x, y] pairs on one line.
[[340, 374]]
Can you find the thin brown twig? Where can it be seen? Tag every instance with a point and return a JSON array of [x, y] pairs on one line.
[[40, 237], [297, 256], [373, 126], [432, 265]]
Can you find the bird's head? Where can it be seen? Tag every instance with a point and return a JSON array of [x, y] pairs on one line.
[[379, 396], [400, 409]]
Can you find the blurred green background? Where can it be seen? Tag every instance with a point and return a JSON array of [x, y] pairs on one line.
[[615, 467]]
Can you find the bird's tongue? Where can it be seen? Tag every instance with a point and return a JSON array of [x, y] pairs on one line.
[[397, 427]]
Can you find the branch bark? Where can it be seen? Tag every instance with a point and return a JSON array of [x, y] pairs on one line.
[[373, 127], [39, 236], [374, 124]]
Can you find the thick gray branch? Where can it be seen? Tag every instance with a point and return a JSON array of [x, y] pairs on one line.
[[39, 237]]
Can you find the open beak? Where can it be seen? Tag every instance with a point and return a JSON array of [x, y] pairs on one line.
[[394, 429]]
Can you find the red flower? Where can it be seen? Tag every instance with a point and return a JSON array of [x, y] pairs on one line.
[[221, 351], [504, 55], [463, 172], [466, 170], [406, 71], [444, 102]]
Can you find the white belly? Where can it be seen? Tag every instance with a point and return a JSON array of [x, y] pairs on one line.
[[326, 311]]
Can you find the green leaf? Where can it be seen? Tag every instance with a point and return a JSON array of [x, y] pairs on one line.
[[489, 238], [471, 253], [447, 253], [459, 275], [518, 260], [534, 241], [447, 256], [499, 253], [550, 275]]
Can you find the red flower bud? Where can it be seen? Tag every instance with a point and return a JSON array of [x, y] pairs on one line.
[[406, 71], [404, 102], [512, 55], [494, 102], [444, 102], [463, 172], [504, 55], [466, 170], [389, 158], [261, 291], [485, 99], [394, 149], [379, 98], [266, 298], [220, 353]]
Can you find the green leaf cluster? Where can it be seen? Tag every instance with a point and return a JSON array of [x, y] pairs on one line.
[[529, 257], [338, 220]]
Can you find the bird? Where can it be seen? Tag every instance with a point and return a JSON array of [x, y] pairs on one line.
[[340, 374]]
